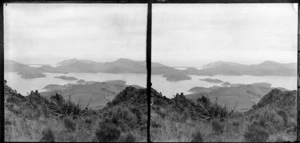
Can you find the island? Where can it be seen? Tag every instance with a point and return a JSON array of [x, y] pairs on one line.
[[70, 78], [226, 84], [30, 75], [81, 81], [51, 87], [211, 80], [176, 77]]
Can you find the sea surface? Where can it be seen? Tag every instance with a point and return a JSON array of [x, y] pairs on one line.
[[159, 83]]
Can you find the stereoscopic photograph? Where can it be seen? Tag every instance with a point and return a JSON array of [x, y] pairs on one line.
[[75, 72], [224, 72], [108, 72]]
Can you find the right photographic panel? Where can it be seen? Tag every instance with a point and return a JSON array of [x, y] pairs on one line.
[[224, 72]]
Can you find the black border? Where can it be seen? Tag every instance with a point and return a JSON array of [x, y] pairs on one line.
[[148, 40], [151, 1]]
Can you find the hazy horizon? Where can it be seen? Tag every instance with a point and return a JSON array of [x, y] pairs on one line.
[[51, 33], [191, 35], [196, 34]]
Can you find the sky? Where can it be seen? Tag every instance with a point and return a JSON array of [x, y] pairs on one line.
[[182, 34], [51, 33], [197, 34]]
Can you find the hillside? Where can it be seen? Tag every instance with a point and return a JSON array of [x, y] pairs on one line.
[[278, 100], [181, 120], [36, 118], [25, 71], [96, 94], [124, 119], [239, 95]]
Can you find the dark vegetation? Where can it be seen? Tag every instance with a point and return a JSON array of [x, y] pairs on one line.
[[244, 95], [124, 118], [273, 118], [96, 94], [37, 118]]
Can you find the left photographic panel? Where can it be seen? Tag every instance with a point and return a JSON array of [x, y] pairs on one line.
[[75, 72]]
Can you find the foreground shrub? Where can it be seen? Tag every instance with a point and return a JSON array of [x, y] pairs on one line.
[[69, 124], [269, 119], [279, 139], [128, 138], [284, 115], [235, 123], [197, 137], [107, 132], [256, 133], [47, 136], [121, 115], [217, 126]]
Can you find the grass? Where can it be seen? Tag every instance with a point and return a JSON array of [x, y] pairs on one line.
[[47, 136], [197, 137], [256, 133], [217, 126], [39, 119], [35, 118]]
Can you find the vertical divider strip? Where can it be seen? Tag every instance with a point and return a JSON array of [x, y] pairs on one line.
[[2, 73], [148, 60], [298, 75]]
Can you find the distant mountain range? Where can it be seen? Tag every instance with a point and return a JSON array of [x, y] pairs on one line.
[[122, 65], [262, 69]]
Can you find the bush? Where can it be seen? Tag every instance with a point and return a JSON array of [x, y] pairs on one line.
[[128, 138], [284, 115], [47, 136], [155, 124], [197, 137], [256, 133], [217, 126], [269, 119], [7, 122], [279, 139], [122, 117], [107, 132], [88, 121], [235, 123], [69, 124]]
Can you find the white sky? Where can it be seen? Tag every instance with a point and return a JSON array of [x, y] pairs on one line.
[[196, 34], [182, 34], [50, 33]]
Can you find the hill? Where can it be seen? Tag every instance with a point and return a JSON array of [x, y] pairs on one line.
[[54, 119], [180, 119], [25, 71], [243, 96], [278, 100], [262, 69], [123, 65], [124, 119], [96, 94]]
